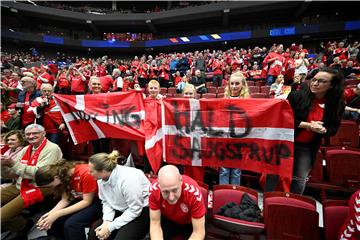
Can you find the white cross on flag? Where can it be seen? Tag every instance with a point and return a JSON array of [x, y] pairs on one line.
[[251, 134], [94, 116]]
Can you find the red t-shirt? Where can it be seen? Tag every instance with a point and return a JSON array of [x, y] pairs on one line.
[[315, 114], [349, 95], [106, 83], [82, 181], [189, 205], [63, 82], [77, 84]]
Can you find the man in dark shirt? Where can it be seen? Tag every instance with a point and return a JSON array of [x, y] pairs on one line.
[[199, 82]]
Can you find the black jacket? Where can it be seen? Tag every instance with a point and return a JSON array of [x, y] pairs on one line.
[[301, 113]]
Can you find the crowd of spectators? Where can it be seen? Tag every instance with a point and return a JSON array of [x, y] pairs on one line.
[[27, 88]]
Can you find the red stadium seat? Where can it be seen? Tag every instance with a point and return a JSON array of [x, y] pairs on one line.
[[220, 90], [211, 90], [163, 90], [224, 194], [209, 84], [265, 89], [254, 89], [220, 95], [343, 168], [290, 216], [171, 90], [209, 95], [260, 83], [259, 95], [335, 213], [209, 75], [169, 95], [178, 95], [347, 134], [250, 83]]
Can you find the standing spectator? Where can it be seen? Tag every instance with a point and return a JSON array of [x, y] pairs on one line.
[[101, 144], [183, 64], [352, 101], [200, 63], [237, 88], [354, 50], [341, 52], [14, 122], [77, 79], [79, 206], [174, 210], [25, 98], [301, 66], [154, 90], [48, 113], [164, 76], [124, 193], [217, 67], [63, 82], [274, 60], [318, 111], [24, 193]]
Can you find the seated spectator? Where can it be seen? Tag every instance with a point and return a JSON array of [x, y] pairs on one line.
[[297, 84], [276, 87], [199, 82], [79, 205], [352, 101], [124, 193], [25, 193], [174, 210], [15, 140], [177, 78], [182, 84]]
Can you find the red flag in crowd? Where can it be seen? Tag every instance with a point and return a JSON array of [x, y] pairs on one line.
[[94, 116], [251, 134]]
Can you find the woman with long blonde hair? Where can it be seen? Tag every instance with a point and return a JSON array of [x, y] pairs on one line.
[[236, 88]]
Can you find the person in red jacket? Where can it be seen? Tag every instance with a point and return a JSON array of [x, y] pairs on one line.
[[48, 113], [274, 60]]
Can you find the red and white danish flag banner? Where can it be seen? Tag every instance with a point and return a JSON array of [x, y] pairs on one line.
[[250, 134], [94, 116]]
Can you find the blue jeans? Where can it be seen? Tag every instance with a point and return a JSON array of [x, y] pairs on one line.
[[270, 79], [72, 227], [229, 175]]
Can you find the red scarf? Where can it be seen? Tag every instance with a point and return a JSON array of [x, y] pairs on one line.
[[29, 192]]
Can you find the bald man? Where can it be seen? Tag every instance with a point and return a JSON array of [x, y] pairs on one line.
[[176, 206]]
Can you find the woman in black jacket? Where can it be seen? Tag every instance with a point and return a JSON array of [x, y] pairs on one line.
[[317, 111]]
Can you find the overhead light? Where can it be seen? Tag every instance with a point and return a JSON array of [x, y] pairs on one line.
[[227, 10], [13, 10], [11, 30], [88, 21], [32, 2], [148, 21], [97, 13]]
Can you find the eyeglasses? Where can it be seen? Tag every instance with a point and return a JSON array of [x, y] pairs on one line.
[[32, 133], [319, 81]]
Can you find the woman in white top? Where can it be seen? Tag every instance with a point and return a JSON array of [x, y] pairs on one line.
[[124, 192]]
